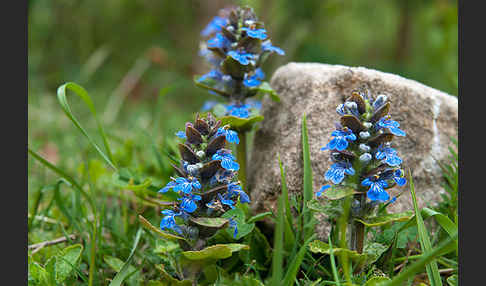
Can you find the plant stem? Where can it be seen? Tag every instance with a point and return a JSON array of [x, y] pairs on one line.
[[241, 157], [342, 227]]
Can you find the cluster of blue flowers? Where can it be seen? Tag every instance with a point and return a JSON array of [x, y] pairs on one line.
[[361, 148], [236, 47], [206, 185]]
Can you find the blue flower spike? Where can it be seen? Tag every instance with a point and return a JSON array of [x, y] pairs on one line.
[[198, 178], [236, 53], [359, 159]]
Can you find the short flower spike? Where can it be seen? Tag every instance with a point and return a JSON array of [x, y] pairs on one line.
[[361, 148], [207, 185], [236, 45]]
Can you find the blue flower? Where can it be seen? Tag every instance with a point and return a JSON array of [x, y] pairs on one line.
[[230, 135], [340, 140], [182, 184], [267, 46], [168, 222], [238, 110], [219, 42], [167, 187], [181, 134], [323, 188], [386, 122], [221, 176], [214, 26], [188, 203], [241, 57], [255, 33], [376, 192], [337, 170], [233, 224], [226, 201], [235, 190], [398, 177], [389, 155], [255, 79], [227, 160], [213, 74]]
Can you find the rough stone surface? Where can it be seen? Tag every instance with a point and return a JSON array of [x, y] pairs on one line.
[[429, 117]]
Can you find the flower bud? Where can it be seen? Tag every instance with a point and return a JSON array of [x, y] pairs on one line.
[[364, 134]]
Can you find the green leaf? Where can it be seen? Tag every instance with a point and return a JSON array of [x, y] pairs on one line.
[[376, 280], [67, 258], [83, 94], [215, 222], [117, 264], [338, 192], [125, 270], [259, 217], [149, 226], [452, 280], [318, 246], [316, 205], [260, 250], [240, 124], [265, 88], [238, 215], [374, 251], [386, 219], [168, 280], [218, 251], [432, 269], [37, 272]]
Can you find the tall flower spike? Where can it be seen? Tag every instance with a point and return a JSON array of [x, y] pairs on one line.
[[236, 45], [207, 182], [361, 148]]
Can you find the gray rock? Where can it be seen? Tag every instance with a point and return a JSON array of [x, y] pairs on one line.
[[429, 117]]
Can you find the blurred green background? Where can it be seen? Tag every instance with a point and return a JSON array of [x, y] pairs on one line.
[[124, 51]]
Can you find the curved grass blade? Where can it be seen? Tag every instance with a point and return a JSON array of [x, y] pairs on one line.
[[83, 94], [67, 178], [53, 168], [125, 270], [431, 267]]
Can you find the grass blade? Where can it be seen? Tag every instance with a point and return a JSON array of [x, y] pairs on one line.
[[277, 259], [294, 265], [431, 267], [333, 263], [124, 271], [307, 187], [419, 264], [288, 233], [83, 94]]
